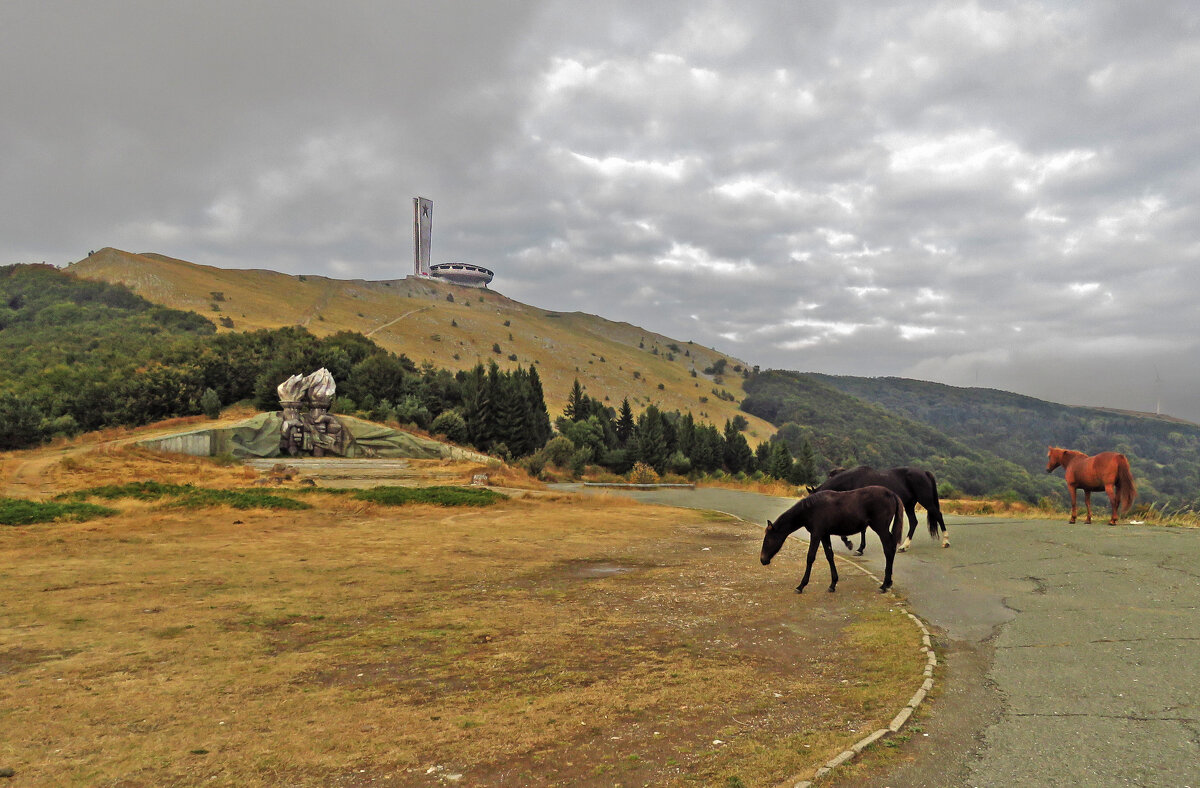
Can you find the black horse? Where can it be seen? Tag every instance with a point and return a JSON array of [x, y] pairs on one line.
[[913, 485], [840, 513]]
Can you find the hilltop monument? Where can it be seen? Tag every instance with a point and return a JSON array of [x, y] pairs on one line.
[[457, 273], [308, 427]]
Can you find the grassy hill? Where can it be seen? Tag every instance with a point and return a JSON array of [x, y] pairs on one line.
[[450, 326], [980, 441]]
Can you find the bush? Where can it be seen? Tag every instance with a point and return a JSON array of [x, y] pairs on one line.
[[210, 404], [558, 450], [679, 463], [451, 425], [534, 464], [643, 474], [411, 410], [579, 460]]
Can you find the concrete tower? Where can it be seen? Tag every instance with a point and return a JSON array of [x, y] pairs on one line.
[[422, 232]]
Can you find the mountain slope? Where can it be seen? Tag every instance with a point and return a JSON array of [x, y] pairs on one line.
[[451, 327], [845, 430], [1164, 452]]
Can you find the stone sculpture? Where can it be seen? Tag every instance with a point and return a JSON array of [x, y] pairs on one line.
[[308, 427]]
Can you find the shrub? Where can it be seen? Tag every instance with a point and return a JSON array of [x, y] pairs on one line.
[[558, 450], [451, 425], [210, 404], [679, 463], [642, 474], [579, 460]]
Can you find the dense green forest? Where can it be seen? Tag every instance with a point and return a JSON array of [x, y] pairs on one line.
[[1164, 454], [845, 431]]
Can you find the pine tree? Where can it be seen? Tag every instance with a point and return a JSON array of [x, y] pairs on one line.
[[781, 461], [685, 431], [537, 416], [625, 422], [576, 408], [651, 444], [806, 464], [510, 415]]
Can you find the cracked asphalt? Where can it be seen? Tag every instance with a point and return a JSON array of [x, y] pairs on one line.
[[1071, 652]]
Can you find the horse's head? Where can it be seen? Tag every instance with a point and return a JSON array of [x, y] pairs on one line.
[[772, 540], [1054, 458]]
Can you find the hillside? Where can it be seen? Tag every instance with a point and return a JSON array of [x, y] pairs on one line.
[[451, 327], [845, 430], [1164, 452]]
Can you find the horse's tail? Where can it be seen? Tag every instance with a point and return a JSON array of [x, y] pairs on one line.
[[898, 521], [1126, 489], [933, 509]]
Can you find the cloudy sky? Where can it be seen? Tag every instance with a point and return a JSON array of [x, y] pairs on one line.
[[993, 194]]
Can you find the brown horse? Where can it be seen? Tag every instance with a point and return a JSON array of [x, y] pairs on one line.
[[1107, 471]]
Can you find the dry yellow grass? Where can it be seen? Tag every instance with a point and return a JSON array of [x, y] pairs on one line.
[[415, 318], [544, 641]]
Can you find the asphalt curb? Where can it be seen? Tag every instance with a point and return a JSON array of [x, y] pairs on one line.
[[901, 717]]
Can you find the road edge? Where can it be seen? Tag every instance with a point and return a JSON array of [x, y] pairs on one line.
[[901, 717]]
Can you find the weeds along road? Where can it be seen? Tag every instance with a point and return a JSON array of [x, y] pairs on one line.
[[1071, 652]]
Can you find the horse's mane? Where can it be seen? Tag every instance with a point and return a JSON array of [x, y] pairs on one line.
[[784, 521]]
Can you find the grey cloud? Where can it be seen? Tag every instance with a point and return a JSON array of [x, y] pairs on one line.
[[949, 192]]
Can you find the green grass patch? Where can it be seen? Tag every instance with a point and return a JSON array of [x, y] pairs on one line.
[[439, 495], [17, 511], [187, 496], [141, 491]]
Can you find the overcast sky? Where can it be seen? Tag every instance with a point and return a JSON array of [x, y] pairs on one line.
[[992, 194]]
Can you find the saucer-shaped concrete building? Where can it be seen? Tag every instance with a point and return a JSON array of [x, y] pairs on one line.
[[462, 274], [458, 273]]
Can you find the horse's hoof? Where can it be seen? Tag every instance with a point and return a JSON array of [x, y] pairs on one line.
[[858, 552], [799, 589], [1088, 521], [946, 544], [831, 589], [901, 549], [1071, 521], [883, 588]]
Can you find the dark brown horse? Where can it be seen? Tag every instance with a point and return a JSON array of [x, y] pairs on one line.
[[839, 514], [913, 485], [1107, 471]]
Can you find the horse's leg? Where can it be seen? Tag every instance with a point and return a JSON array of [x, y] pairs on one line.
[[889, 554], [1074, 504], [813, 542], [862, 542], [910, 509], [1113, 500], [941, 521], [825, 542], [846, 541], [1087, 499]]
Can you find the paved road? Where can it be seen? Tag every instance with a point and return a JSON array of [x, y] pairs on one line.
[[1071, 652]]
